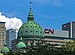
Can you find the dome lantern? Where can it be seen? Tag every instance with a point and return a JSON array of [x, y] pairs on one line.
[[30, 16]]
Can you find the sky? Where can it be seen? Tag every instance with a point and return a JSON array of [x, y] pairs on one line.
[[47, 13]]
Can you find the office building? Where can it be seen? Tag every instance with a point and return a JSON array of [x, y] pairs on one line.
[[10, 35], [56, 33], [2, 34], [70, 27]]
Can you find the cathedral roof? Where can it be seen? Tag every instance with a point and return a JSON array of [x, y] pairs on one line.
[[5, 49], [30, 28], [21, 44]]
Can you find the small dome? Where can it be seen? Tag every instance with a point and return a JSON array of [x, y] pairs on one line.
[[30, 28], [21, 45], [5, 50]]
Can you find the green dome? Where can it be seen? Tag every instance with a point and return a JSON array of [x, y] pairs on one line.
[[30, 28], [5, 50], [21, 45]]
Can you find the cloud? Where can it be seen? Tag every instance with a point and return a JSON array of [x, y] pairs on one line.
[[14, 23], [51, 2]]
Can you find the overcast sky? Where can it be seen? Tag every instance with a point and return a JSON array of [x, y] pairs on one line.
[[48, 13]]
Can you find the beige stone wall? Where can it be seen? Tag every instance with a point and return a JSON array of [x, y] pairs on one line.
[[2, 34]]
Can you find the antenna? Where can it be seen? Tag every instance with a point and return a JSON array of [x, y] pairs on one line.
[[30, 4]]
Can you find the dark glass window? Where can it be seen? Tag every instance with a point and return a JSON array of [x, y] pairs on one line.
[[12, 31], [2, 35]]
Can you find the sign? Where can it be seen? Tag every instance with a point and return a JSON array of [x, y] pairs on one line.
[[48, 31]]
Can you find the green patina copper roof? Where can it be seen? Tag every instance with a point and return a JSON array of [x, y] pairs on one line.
[[30, 16], [5, 49], [30, 28], [21, 44]]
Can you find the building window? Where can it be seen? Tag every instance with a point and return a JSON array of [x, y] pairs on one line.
[[2, 37], [12, 31], [3, 41], [2, 32]]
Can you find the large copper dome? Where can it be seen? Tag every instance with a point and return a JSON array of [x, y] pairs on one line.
[[30, 28]]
